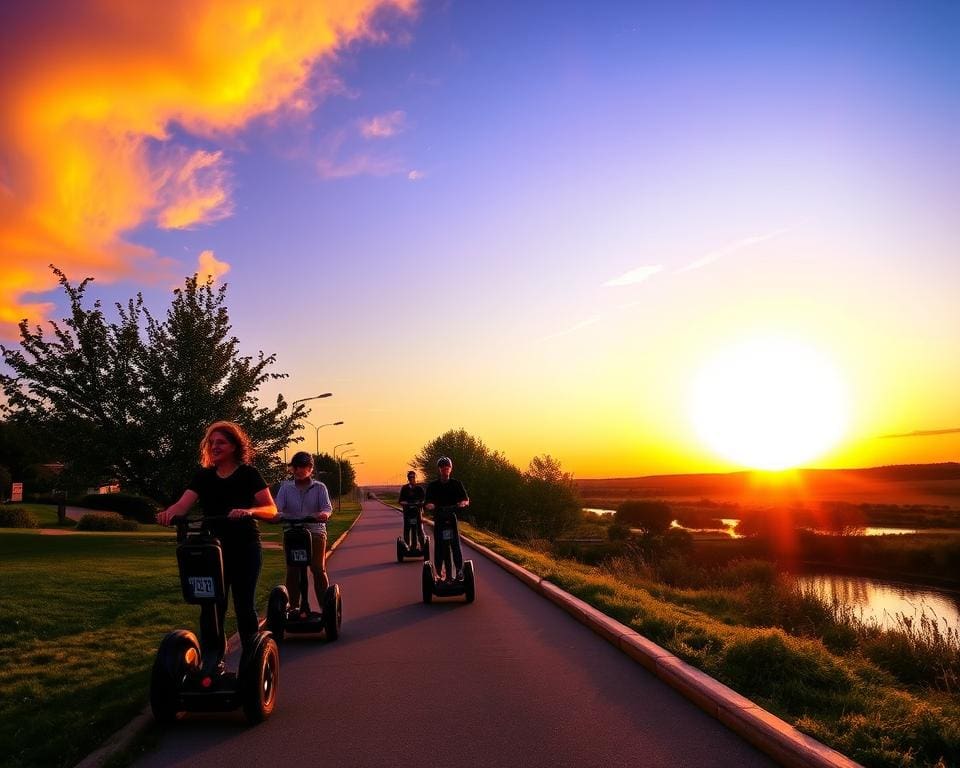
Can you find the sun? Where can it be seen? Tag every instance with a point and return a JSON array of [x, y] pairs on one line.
[[769, 402]]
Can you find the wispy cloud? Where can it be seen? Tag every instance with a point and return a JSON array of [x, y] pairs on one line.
[[730, 249], [383, 126], [111, 120], [416, 175], [572, 329], [924, 433], [634, 276]]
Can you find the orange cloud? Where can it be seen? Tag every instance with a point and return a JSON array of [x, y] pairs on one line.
[[113, 116], [208, 266]]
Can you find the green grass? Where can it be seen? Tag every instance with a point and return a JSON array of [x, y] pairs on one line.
[[45, 514], [81, 617], [851, 701]]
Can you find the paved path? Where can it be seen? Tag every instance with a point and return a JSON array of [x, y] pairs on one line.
[[510, 680]]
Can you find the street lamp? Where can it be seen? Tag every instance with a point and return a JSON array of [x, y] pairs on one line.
[[340, 472], [317, 433], [303, 400]]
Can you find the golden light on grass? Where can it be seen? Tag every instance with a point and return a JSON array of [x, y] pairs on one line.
[[769, 402]]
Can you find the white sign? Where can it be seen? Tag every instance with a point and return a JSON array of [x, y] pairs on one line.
[[16, 492], [202, 586]]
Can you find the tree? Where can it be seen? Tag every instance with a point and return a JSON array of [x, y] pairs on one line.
[[492, 482], [130, 400], [551, 501], [331, 471], [539, 503], [653, 517]]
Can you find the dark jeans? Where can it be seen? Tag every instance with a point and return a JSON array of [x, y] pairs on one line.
[[241, 570], [446, 521], [412, 530]]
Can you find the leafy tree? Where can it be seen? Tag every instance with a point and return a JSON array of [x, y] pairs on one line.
[[325, 468], [492, 482], [551, 501], [653, 517], [131, 399], [6, 482], [539, 503]]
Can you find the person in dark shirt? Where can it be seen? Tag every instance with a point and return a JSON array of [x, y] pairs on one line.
[[232, 496], [412, 494], [444, 495]]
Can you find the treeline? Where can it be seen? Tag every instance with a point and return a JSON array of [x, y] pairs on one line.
[[539, 503]]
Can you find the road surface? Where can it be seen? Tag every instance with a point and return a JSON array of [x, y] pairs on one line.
[[510, 680]]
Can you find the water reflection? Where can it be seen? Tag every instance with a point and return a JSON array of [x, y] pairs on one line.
[[881, 601]]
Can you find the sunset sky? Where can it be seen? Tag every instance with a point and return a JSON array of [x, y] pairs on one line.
[[540, 222]]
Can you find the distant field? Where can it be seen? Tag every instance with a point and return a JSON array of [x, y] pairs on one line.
[[932, 485]]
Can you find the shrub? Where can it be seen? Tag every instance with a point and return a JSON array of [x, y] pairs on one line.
[[17, 517], [798, 675], [618, 532], [652, 517], [138, 508], [105, 521]]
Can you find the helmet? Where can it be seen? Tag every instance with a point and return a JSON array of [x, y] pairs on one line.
[[444, 461]]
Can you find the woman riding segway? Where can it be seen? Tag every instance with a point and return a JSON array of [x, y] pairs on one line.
[[232, 497]]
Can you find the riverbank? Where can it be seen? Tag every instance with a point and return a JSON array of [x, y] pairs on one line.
[[885, 698]]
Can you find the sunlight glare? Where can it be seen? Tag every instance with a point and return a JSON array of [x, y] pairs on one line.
[[769, 402]]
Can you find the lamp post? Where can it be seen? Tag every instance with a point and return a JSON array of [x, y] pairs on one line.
[[340, 472], [317, 431], [303, 400], [352, 454]]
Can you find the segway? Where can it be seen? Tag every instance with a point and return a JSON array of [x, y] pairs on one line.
[[283, 617], [188, 679], [445, 531], [411, 519]]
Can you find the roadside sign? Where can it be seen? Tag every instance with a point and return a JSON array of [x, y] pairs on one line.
[[16, 492]]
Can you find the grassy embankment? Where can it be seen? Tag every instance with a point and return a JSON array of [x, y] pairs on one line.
[[885, 698], [81, 617]]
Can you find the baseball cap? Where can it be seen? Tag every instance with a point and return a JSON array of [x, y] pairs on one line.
[[444, 461], [301, 459]]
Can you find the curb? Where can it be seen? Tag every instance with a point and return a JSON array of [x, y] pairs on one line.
[[127, 735], [764, 730]]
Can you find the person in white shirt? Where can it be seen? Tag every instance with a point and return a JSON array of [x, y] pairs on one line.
[[304, 496]]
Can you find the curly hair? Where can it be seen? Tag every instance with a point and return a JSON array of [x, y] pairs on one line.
[[237, 437]]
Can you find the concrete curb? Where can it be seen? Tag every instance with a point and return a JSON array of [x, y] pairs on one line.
[[764, 730], [127, 736]]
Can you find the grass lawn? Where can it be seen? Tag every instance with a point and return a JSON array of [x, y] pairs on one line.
[[45, 514], [81, 616]]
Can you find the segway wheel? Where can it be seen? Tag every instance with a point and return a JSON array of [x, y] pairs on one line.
[[178, 654], [401, 550], [426, 549], [427, 583], [261, 681], [332, 611], [469, 583], [277, 606]]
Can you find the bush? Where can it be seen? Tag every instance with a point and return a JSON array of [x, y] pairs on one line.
[[618, 532], [105, 521], [17, 517], [138, 508], [652, 517], [799, 675]]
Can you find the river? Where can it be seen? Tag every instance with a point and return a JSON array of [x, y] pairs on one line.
[[871, 599]]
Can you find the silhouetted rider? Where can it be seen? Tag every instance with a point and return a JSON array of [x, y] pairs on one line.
[[413, 495], [444, 495]]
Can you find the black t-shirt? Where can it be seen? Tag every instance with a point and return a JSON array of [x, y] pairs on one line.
[[411, 494], [446, 494], [218, 495]]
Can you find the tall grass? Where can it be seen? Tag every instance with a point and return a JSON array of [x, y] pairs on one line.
[[788, 650]]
